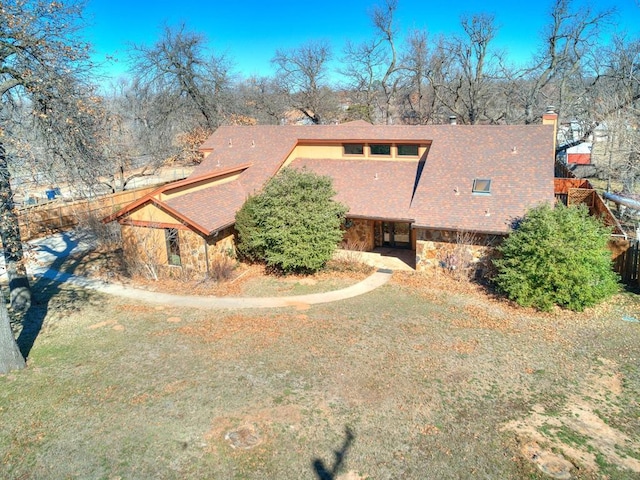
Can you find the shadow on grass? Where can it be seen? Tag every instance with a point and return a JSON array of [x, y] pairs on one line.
[[325, 473], [45, 290]]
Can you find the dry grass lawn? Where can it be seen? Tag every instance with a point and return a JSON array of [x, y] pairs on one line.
[[424, 378]]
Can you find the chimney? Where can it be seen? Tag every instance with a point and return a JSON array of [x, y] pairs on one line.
[[551, 118], [453, 120]]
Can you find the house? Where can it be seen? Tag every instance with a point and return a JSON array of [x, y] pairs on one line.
[[578, 154], [410, 187]]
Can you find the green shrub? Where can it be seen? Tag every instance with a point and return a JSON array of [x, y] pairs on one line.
[[293, 225], [557, 256]]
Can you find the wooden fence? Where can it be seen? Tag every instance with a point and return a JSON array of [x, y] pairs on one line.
[[627, 264], [40, 220]]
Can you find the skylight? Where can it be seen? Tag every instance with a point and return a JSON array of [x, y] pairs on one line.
[[481, 185]]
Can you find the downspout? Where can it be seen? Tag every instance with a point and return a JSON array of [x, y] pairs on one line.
[[206, 255]]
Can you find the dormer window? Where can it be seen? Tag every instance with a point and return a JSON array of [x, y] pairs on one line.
[[482, 186], [380, 149], [353, 148], [407, 150]]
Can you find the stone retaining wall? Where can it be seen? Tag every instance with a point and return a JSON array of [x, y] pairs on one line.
[[453, 250]]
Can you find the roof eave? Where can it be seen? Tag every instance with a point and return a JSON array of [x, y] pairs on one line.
[[151, 196]]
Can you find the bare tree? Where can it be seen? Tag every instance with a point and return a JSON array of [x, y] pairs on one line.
[[383, 18], [180, 89], [361, 65], [261, 98], [418, 101], [464, 68], [616, 114], [179, 67], [41, 62], [302, 75], [567, 40], [10, 356], [372, 67]]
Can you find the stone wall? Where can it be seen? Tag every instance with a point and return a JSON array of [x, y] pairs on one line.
[[221, 247], [359, 235], [454, 250], [145, 251]]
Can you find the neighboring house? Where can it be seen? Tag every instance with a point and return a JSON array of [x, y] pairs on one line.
[[579, 154], [412, 187]]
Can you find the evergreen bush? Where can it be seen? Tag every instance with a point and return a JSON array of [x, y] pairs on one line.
[[293, 225], [557, 256]]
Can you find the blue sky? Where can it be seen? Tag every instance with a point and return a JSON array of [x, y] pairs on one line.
[[249, 32]]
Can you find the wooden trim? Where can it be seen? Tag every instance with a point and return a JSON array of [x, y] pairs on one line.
[[146, 224], [204, 177], [170, 186], [174, 213]]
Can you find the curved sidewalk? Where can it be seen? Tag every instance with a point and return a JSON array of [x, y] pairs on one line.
[[47, 251], [377, 279]]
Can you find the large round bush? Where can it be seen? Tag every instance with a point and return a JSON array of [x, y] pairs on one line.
[[293, 225], [557, 256]]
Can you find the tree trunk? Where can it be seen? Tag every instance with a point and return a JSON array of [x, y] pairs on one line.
[[10, 356], [20, 292]]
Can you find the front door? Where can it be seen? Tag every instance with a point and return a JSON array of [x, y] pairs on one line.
[[396, 234]]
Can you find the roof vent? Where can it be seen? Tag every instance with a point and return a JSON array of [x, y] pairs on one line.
[[514, 149], [375, 177], [453, 120], [230, 143], [253, 143]]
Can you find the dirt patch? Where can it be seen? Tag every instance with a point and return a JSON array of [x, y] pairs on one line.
[[350, 476], [244, 437], [245, 431], [556, 466], [578, 431]]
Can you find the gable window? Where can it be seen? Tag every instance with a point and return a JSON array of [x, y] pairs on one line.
[[407, 150], [380, 149], [481, 185], [173, 246], [353, 149]]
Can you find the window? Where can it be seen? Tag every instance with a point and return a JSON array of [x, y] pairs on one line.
[[173, 246], [353, 149], [481, 185], [380, 149], [407, 150]]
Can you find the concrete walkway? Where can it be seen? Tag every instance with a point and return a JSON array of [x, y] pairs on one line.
[[44, 252], [370, 283]]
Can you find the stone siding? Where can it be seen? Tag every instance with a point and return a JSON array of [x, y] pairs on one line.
[[147, 244], [221, 247], [452, 250], [145, 251], [359, 236]]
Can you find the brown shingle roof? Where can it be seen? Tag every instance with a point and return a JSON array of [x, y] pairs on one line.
[[220, 204], [378, 189], [517, 159]]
